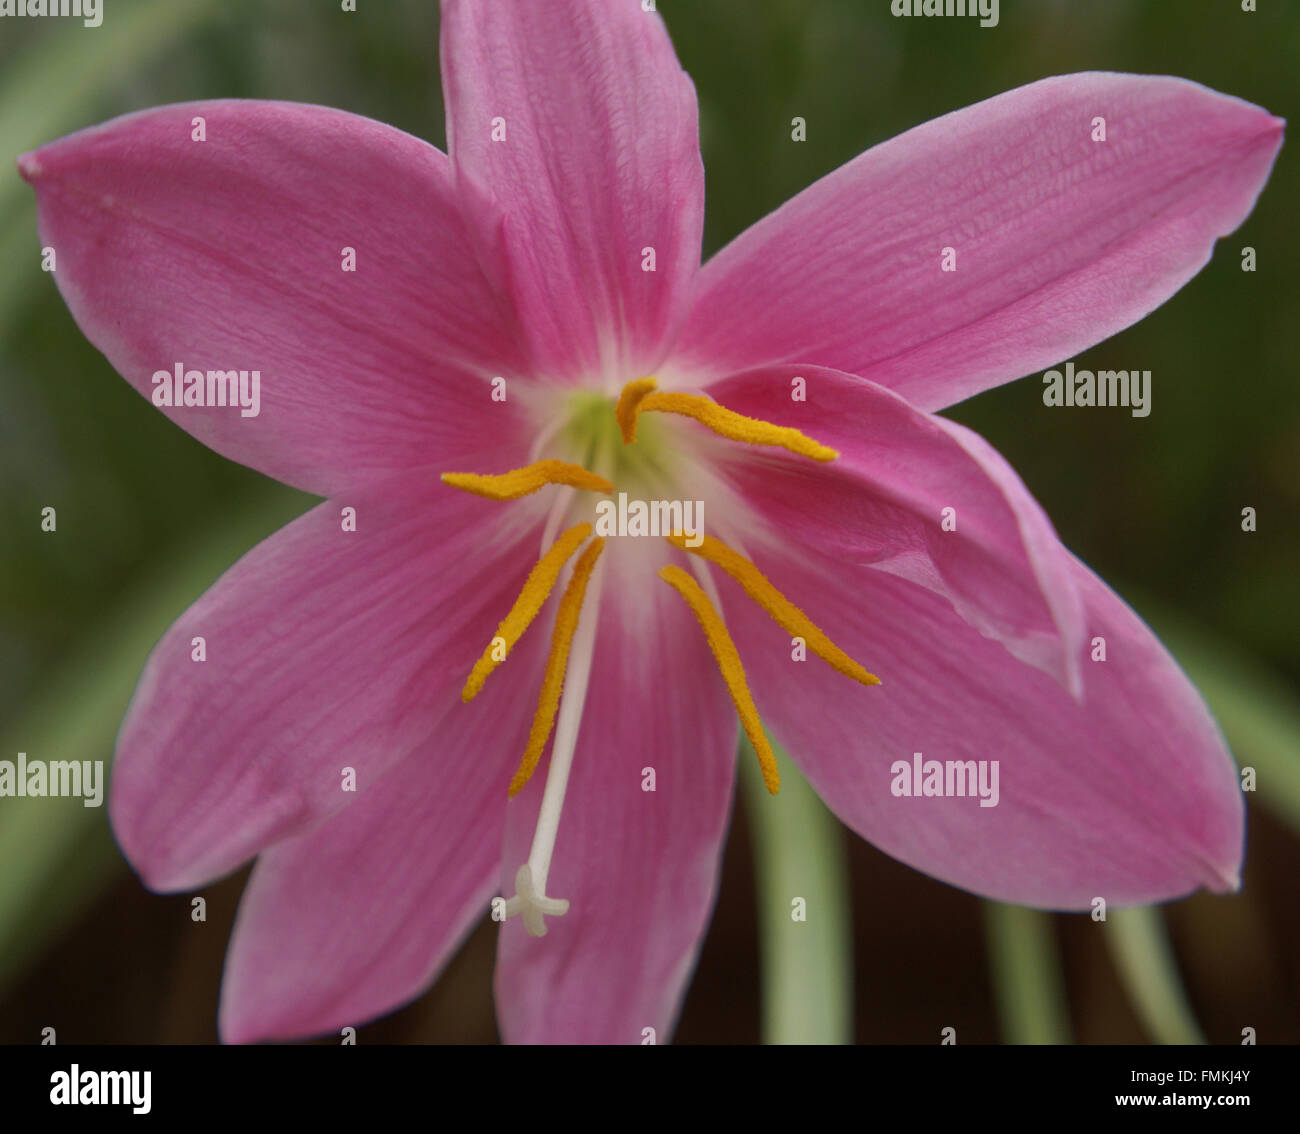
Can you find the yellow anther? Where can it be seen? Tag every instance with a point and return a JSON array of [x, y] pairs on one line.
[[638, 397], [520, 482], [784, 613], [733, 673], [566, 622], [535, 591], [629, 406]]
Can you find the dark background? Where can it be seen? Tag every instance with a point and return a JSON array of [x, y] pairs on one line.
[[147, 517]]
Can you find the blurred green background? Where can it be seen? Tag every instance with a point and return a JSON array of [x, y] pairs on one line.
[[147, 517]]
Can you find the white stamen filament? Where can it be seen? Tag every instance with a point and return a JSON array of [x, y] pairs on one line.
[[556, 516], [700, 570], [531, 899]]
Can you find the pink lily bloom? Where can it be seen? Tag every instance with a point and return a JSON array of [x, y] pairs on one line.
[[526, 319]]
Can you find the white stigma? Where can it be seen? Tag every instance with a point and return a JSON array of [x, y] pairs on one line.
[[530, 899], [533, 906]]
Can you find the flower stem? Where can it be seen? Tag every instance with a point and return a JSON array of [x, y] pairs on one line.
[[806, 965], [1148, 970], [1026, 975]]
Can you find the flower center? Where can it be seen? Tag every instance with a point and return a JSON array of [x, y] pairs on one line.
[[625, 446]]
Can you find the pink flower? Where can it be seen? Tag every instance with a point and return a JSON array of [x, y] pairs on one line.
[[557, 248]]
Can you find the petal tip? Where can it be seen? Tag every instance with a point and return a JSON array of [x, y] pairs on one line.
[[156, 872], [1263, 132], [1271, 130], [1225, 879], [29, 166], [161, 866]]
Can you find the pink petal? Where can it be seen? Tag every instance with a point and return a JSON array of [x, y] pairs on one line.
[[357, 917], [228, 254], [1129, 795], [600, 162], [639, 868], [325, 649], [881, 504], [1060, 241]]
